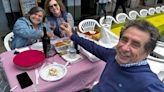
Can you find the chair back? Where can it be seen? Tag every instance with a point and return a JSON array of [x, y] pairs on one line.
[[162, 8], [160, 43], [152, 11], [143, 12], [7, 41], [133, 14], [157, 58], [158, 9], [156, 64], [108, 21], [122, 17], [88, 25]]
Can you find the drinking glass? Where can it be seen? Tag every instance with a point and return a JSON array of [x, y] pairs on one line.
[[61, 21], [71, 52], [52, 25]]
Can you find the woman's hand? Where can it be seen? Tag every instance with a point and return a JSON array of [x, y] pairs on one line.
[[66, 27]]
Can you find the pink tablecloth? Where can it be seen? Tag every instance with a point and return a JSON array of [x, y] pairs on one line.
[[80, 75]]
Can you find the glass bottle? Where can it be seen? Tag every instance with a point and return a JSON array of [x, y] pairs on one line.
[[74, 43], [46, 42]]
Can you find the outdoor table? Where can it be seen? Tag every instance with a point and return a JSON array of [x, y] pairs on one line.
[[80, 75]]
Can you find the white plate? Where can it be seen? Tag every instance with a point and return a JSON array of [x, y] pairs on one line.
[[60, 72], [37, 46]]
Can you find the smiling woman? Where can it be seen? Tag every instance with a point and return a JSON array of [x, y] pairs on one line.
[[28, 29], [56, 15]]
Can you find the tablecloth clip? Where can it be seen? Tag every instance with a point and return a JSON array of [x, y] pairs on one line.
[[13, 88]]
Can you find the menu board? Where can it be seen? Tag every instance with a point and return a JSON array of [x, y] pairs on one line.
[[26, 5]]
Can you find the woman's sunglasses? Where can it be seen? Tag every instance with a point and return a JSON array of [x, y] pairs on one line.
[[51, 6]]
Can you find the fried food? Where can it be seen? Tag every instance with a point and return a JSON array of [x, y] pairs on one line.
[[58, 44], [52, 72]]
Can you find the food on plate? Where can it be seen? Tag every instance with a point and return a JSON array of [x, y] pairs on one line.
[[92, 32], [52, 72], [58, 44], [95, 37]]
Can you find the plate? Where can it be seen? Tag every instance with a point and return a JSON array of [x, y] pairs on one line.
[[53, 72], [29, 59], [37, 46]]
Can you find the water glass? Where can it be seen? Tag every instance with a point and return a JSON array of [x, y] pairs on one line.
[[72, 52]]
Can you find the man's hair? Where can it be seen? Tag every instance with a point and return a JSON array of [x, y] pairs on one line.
[[46, 7], [145, 27]]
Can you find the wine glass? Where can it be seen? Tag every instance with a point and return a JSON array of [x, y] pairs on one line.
[[62, 21], [52, 25]]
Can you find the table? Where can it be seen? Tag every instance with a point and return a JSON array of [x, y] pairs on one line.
[[156, 20], [80, 75]]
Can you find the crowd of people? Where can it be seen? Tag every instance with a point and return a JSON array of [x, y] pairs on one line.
[[127, 69]]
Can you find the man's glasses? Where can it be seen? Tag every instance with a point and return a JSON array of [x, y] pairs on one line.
[[51, 6]]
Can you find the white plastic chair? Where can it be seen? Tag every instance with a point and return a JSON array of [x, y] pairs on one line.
[[152, 11], [143, 12], [122, 17], [158, 9], [160, 43], [88, 25], [162, 8], [156, 59], [156, 64], [108, 21], [85, 26], [7, 40], [133, 14]]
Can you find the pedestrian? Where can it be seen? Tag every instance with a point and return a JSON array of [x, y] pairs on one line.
[[119, 3], [102, 7]]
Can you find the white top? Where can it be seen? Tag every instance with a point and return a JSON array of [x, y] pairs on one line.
[[103, 1]]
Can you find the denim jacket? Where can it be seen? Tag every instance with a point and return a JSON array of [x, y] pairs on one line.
[[25, 34]]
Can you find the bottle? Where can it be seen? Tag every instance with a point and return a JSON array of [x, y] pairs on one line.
[[46, 42], [74, 43]]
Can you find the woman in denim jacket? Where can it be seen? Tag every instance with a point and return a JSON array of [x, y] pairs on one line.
[[28, 29]]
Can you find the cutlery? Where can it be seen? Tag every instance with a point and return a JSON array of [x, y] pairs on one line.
[[42, 66], [67, 63], [12, 89], [36, 76]]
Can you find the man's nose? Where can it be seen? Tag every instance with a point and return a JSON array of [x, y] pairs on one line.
[[126, 46]]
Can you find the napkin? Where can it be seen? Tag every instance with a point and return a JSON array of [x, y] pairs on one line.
[[22, 49], [107, 38], [37, 46], [72, 60], [90, 56]]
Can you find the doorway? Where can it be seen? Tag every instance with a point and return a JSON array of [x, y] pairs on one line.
[[88, 8]]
